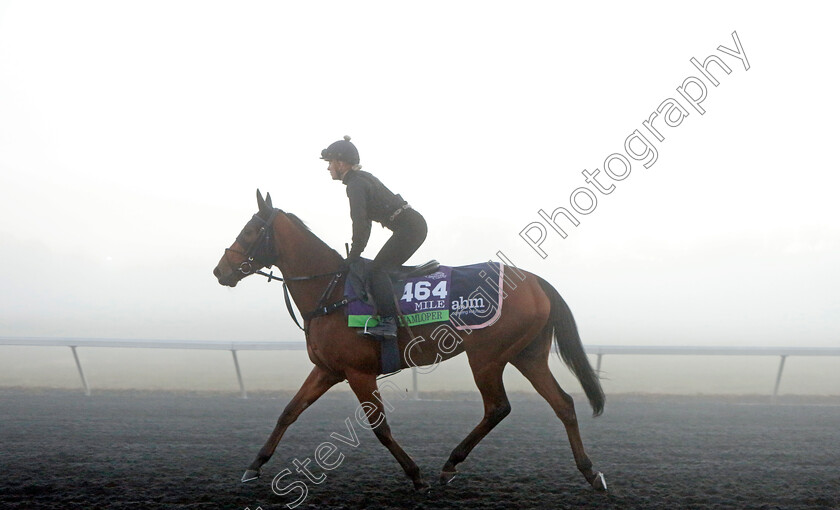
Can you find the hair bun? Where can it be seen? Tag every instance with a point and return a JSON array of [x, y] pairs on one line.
[[347, 138]]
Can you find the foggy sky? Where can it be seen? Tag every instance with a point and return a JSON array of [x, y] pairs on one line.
[[133, 137]]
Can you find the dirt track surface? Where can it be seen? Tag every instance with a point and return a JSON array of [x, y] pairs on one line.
[[165, 450]]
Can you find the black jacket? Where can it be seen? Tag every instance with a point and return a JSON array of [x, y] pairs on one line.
[[370, 201]]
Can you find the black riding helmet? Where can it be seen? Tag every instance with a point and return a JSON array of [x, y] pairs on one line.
[[342, 150]]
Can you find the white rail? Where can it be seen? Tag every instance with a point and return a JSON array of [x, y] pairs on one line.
[[598, 350], [782, 352], [73, 343]]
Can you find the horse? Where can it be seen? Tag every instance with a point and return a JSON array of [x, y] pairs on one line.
[[533, 314]]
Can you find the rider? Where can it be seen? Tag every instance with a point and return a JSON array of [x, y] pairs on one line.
[[370, 201]]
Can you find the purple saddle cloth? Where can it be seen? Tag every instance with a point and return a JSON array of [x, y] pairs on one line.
[[469, 297]]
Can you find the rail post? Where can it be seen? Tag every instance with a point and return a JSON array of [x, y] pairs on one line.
[[779, 377], [81, 372], [242, 392]]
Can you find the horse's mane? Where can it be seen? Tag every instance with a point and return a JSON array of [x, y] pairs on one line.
[[300, 224]]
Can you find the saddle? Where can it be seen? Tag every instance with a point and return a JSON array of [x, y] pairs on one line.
[[357, 278], [359, 272]]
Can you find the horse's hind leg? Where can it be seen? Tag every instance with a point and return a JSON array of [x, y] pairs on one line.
[[496, 406], [536, 370], [364, 386], [315, 385]]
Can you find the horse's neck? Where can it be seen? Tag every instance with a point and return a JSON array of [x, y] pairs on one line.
[[301, 255]]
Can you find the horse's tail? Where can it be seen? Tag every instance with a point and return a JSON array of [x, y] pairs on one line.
[[569, 346]]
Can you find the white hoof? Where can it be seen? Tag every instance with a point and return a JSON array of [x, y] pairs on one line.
[[250, 475], [599, 483]]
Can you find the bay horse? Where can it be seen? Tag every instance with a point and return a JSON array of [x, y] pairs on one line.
[[532, 315]]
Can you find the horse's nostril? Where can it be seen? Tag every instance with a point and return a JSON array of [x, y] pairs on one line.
[[217, 273]]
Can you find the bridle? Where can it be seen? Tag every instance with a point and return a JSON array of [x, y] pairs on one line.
[[261, 251], [261, 254]]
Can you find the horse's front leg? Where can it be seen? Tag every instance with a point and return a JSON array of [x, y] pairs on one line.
[[364, 386], [315, 385]]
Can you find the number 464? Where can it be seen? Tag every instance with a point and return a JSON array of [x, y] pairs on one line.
[[421, 291]]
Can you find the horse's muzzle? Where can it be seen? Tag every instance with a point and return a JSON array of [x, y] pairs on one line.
[[228, 280]]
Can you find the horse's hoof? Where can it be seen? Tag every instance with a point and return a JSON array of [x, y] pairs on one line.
[[599, 483], [250, 475], [422, 487], [447, 476]]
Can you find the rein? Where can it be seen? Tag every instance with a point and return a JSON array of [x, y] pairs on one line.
[[261, 253], [321, 308]]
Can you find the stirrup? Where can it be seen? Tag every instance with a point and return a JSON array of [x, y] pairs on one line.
[[386, 329]]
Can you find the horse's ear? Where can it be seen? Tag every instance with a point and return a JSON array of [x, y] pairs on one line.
[[260, 201], [268, 200]]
